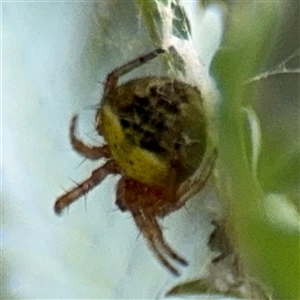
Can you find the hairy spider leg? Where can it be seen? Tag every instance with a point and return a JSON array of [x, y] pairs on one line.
[[90, 152], [112, 78], [152, 232], [194, 185], [146, 221], [97, 176]]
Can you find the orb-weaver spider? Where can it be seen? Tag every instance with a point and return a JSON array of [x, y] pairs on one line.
[[156, 135]]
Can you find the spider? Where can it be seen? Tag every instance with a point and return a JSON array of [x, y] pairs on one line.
[[156, 136]]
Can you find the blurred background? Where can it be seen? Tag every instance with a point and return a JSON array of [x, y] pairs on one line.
[[55, 58]]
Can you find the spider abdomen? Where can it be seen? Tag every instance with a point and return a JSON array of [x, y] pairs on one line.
[[154, 125]]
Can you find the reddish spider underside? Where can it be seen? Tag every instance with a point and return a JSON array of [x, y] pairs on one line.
[[155, 130]]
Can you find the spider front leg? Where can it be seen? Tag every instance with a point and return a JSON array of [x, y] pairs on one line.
[[97, 176], [90, 152], [152, 232], [146, 203], [112, 78]]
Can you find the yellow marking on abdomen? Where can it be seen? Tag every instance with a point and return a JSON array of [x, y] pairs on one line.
[[136, 162]]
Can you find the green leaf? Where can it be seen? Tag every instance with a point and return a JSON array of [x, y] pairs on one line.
[[267, 252]]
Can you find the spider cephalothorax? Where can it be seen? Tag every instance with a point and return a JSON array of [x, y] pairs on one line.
[[155, 131]]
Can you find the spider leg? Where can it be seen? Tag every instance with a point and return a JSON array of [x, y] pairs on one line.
[[120, 194], [90, 152], [113, 77], [152, 233], [81, 189], [193, 185]]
